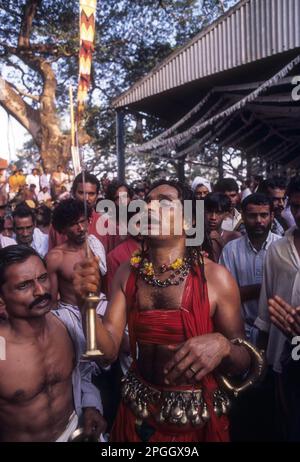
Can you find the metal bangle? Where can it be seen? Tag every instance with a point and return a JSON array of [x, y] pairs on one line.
[[255, 372]]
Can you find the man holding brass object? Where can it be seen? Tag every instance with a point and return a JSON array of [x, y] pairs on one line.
[[185, 330]]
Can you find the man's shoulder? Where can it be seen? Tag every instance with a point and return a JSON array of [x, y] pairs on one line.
[[275, 237], [123, 273], [234, 244], [214, 270], [279, 242], [59, 249], [55, 255], [59, 320]]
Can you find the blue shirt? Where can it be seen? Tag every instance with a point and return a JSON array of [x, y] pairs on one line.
[[245, 263]]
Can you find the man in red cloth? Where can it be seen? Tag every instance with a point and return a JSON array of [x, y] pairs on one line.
[[182, 313]]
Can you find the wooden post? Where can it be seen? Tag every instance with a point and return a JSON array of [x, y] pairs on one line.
[[248, 165], [120, 144], [72, 117], [180, 169], [220, 163]]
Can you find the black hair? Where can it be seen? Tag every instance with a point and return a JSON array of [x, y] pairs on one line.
[[257, 199], [276, 182], [113, 187], [226, 184], [217, 202], [46, 214], [23, 211], [67, 212], [293, 186], [15, 254], [89, 178], [185, 192]]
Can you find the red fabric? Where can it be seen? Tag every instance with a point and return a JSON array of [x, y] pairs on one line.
[[116, 257], [196, 321], [159, 327], [109, 241]]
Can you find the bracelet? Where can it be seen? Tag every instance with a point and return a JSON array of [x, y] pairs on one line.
[[255, 372]]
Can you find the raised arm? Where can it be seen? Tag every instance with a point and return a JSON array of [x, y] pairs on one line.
[[109, 331]]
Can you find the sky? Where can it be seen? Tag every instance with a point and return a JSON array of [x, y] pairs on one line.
[[12, 136]]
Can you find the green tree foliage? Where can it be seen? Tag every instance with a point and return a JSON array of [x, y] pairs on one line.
[[39, 41]]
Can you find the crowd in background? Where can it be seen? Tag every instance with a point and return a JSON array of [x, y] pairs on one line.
[[241, 225]]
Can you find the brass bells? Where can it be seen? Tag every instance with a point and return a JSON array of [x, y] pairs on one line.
[[180, 407]]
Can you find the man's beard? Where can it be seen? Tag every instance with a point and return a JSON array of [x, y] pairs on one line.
[[258, 232]]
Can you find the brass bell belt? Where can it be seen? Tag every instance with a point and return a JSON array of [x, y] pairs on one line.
[[179, 407]]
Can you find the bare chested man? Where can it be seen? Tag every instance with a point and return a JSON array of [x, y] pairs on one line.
[[217, 206], [44, 388], [182, 313], [69, 219]]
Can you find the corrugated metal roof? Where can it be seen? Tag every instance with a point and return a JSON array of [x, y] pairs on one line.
[[250, 31]]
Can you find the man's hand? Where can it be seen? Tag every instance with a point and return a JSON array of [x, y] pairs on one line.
[[284, 316], [197, 357], [86, 278], [93, 423]]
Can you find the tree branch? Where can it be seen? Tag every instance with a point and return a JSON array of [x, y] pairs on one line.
[[14, 104], [43, 49], [27, 95], [23, 73], [30, 10]]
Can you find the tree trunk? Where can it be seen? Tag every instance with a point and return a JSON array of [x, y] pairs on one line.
[[41, 122]]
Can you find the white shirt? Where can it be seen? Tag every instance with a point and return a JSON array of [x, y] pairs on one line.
[[6, 241], [34, 179], [85, 394], [245, 193], [230, 222], [40, 242], [99, 251], [288, 216], [245, 263], [281, 277], [45, 180], [58, 178], [43, 197]]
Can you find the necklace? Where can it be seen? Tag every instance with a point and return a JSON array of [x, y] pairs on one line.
[[180, 269]]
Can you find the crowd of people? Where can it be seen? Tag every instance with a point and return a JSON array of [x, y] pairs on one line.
[[172, 319]]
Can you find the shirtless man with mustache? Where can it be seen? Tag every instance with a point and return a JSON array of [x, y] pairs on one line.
[[44, 387]]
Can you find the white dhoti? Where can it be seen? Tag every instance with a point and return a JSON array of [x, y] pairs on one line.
[[70, 428]]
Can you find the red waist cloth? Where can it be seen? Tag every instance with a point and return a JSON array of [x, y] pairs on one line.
[[125, 430], [159, 327], [193, 319]]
